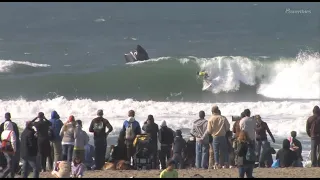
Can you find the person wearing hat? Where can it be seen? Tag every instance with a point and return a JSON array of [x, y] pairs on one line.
[[151, 128], [3, 163], [166, 138], [179, 147], [98, 128], [29, 151], [67, 134]]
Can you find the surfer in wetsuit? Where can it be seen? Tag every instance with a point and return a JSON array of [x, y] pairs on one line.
[[203, 74]]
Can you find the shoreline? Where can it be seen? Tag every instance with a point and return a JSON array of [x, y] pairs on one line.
[[188, 173]]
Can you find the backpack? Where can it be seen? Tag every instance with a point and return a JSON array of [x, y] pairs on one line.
[[130, 131], [6, 145], [250, 155]]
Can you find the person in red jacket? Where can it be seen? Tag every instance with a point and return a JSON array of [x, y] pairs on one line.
[[261, 137]]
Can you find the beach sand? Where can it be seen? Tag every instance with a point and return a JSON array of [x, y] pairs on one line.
[[221, 173]]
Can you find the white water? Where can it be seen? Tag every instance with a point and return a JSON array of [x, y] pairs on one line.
[[297, 78], [284, 78], [282, 117], [7, 65]]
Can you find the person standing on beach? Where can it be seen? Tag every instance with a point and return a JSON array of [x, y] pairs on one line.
[[178, 148], [9, 148], [7, 117], [67, 134], [81, 138], [236, 126], [44, 150], [313, 131], [151, 128], [248, 124], [98, 128], [130, 129], [244, 165], [56, 140], [218, 126], [29, 151], [202, 144], [166, 138], [261, 137]]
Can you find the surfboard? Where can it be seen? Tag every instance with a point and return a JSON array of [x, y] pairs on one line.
[[206, 85]]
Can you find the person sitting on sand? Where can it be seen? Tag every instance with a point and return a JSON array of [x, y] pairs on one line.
[[88, 156], [295, 145], [62, 169], [266, 155], [169, 172], [287, 158], [77, 168]]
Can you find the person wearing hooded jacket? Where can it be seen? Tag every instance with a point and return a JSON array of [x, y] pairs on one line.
[[42, 126], [178, 148], [67, 134], [81, 138], [166, 138], [9, 136], [151, 128], [286, 157], [202, 144], [313, 131], [137, 130], [16, 131], [56, 142], [98, 128]]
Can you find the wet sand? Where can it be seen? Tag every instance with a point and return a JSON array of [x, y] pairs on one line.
[[221, 173]]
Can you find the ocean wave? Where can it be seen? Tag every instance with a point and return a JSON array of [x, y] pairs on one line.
[[283, 78], [8, 65]]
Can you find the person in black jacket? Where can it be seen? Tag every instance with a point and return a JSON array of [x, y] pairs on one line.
[[166, 137], [44, 150], [245, 167], [29, 151], [178, 149], [98, 128], [287, 158], [3, 162], [152, 129]]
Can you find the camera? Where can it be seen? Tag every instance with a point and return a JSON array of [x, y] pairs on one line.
[[236, 118]]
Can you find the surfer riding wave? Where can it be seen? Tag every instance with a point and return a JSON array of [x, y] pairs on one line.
[[206, 80]]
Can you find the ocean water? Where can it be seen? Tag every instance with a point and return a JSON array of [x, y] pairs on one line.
[[69, 57]]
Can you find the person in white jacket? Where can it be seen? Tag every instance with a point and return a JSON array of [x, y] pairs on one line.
[[8, 138]]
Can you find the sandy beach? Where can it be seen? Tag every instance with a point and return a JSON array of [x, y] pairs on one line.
[[222, 173]]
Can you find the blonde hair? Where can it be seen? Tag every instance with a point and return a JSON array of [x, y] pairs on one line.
[[243, 136]]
